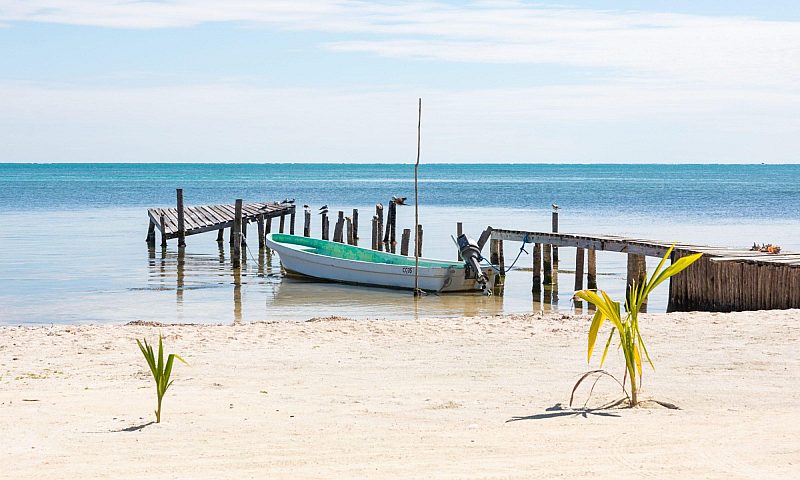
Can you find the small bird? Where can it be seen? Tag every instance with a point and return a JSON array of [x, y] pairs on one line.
[[288, 200], [555, 207], [305, 206], [399, 200], [323, 212], [324, 207]]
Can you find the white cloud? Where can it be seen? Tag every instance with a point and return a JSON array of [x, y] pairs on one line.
[[235, 123], [725, 51]]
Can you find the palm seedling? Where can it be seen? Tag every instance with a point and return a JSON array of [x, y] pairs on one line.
[[161, 370], [627, 328]]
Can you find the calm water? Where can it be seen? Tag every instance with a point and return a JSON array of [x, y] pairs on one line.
[[73, 247]]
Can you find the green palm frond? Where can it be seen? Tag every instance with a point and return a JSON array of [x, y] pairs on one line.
[[627, 329]]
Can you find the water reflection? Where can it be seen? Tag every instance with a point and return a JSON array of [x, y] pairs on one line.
[[206, 284]]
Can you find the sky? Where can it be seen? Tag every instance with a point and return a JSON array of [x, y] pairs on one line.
[[570, 81]]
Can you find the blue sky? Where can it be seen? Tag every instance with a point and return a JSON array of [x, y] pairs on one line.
[[319, 81]]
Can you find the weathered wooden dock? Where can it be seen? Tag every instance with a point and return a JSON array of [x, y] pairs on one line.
[[723, 280], [184, 221]]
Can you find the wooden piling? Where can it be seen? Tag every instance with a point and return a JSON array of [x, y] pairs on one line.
[[261, 231], [637, 274], [375, 239], [267, 226], [405, 238], [537, 268], [459, 231], [280, 226], [496, 258], [244, 233], [307, 223], [379, 214], [163, 231], [547, 265], [418, 243], [236, 256], [391, 227], [151, 233], [555, 230], [591, 275], [337, 230], [579, 264], [220, 235], [291, 221], [349, 223], [326, 227], [181, 226], [355, 226]]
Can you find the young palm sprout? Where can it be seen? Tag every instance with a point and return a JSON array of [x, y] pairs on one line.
[[630, 338], [160, 370]]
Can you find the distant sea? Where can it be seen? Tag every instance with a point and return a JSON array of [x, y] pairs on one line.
[[73, 248]]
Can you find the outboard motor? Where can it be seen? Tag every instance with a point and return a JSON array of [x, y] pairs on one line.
[[471, 254]]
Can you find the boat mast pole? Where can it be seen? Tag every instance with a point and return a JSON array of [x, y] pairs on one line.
[[416, 206]]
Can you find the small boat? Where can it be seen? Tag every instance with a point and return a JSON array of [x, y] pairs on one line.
[[339, 262]]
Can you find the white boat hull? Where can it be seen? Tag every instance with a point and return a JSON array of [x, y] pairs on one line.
[[447, 279]]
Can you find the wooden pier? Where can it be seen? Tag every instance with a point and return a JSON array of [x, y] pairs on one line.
[[723, 280], [183, 221]]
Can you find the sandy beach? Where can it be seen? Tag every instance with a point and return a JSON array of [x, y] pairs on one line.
[[428, 398]]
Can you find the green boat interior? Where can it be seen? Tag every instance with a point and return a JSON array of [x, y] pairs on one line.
[[349, 252]]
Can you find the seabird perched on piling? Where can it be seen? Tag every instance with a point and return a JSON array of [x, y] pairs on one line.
[[288, 201], [555, 207], [399, 200], [324, 207], [323, 211]]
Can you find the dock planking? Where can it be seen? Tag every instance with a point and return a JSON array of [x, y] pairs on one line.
[[205, 218], [725, 279]]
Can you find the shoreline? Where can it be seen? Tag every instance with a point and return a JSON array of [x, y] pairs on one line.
[[469, 397]]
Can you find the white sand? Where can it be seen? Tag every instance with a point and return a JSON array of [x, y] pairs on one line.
[[412, 399]]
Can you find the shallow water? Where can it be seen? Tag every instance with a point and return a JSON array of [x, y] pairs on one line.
[[78, 258]]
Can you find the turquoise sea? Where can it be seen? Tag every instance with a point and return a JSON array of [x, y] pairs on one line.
[[73, 248]]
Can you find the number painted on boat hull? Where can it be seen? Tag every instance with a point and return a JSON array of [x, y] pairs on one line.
[[408, 270]]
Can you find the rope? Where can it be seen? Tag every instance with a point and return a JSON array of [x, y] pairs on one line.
[[519, 254]]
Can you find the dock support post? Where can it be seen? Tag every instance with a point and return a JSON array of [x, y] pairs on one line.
[[459, 231], [537, 268], [283, 221], [349, 222], [236, 256], [163, 232], [220, 235], [337, 230], [181, 229], [391, 226], [496, 258], [291, 221], [555, 230], [260, 231], [307, 223], [151, 232], [591, 275], [547, 261], [325, 227], [404, 240], [379, 214], [637, 274], [418, 242], [244, 233], [355, 226], [375, 240], [579, 256]]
